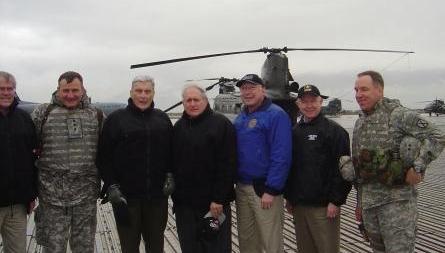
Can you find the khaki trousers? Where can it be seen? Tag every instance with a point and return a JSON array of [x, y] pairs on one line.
[[13, 228], [259, 230], [314, 231]]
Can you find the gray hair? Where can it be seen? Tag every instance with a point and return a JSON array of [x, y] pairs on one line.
[[8, 77], [197, 87], [143, 78]]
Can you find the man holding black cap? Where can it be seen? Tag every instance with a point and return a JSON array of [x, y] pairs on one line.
[[315, 189], [204, 151], [264, 157]]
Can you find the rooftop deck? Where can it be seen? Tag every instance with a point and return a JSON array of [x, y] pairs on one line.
[[430, 235]]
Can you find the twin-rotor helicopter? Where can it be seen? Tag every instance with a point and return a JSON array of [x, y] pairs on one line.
[[279, 83]]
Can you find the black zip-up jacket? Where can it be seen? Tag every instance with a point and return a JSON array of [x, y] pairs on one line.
[[204, 160], [314, 178], [135, 151], [18, 175]]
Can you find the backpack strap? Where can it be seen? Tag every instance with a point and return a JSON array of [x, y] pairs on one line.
[[48, 110], [100, 117]]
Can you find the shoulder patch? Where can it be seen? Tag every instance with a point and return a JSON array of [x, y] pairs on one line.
[[422, 123]]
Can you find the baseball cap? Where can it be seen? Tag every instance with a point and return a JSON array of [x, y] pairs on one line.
[[309, 89], [250, 78]]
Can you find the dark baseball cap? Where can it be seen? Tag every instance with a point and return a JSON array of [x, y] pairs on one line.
[[210, 226], [309, 89], [250, 78]]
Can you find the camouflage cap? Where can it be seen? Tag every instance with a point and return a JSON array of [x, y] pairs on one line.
[[346, 168], [409, 150]]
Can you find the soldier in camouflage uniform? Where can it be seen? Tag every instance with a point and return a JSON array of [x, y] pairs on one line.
[[387, 195], [68, 183]]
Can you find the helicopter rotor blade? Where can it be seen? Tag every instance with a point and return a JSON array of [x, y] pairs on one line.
[[213, 85], [263, 50], [180, 102], [204, 79], [348, 49], [193, 58], [173, 106]]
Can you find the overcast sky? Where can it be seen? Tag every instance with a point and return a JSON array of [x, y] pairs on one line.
[[39, 40]]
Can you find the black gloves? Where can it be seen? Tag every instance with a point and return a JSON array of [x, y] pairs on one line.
[[119, 204], [115, 196], [169, 185]]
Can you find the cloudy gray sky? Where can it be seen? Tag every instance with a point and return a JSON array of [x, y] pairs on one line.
[[101, 39]]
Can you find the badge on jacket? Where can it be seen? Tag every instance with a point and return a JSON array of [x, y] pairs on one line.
[[252, 123], [312, 137], [74, 128]]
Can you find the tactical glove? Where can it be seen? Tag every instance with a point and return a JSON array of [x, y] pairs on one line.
[[115, 196], [119, 203], [346, 168], [169, 185]]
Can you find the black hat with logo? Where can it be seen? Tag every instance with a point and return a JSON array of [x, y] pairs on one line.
[[309, 89], [210, 225], [250, 78]]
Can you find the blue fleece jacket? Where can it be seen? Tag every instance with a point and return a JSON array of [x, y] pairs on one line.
[[264, 140]]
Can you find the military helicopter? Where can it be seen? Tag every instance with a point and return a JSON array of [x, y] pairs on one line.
[[333, 107], [437, 106], [275, 72]]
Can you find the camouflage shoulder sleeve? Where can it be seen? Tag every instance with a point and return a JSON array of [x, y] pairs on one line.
[[37, 116], [354, 143], [431, 137]]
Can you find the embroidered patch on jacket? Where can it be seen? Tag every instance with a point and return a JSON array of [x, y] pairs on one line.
[[252, 123], [74, 128], [312, 137]]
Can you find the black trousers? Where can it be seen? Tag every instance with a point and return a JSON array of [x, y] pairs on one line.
[[188, 220], [147, 218]]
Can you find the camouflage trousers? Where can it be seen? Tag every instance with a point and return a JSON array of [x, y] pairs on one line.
[[392, 227], [56, 225]]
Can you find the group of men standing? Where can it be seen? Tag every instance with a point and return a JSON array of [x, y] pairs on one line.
[[65, 148]]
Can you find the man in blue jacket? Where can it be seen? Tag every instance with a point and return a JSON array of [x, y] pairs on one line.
[[264, 157]]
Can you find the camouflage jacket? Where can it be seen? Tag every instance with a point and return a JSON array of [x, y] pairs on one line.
[[376, 138], [69, 137]]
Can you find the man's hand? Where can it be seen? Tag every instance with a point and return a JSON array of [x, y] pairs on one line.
[[332, 211], [31, 207], [119, 204], [289, 207], [266, 201], [358, 214], [216, 209], [169, 185], [412, 177], [115, 196]]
